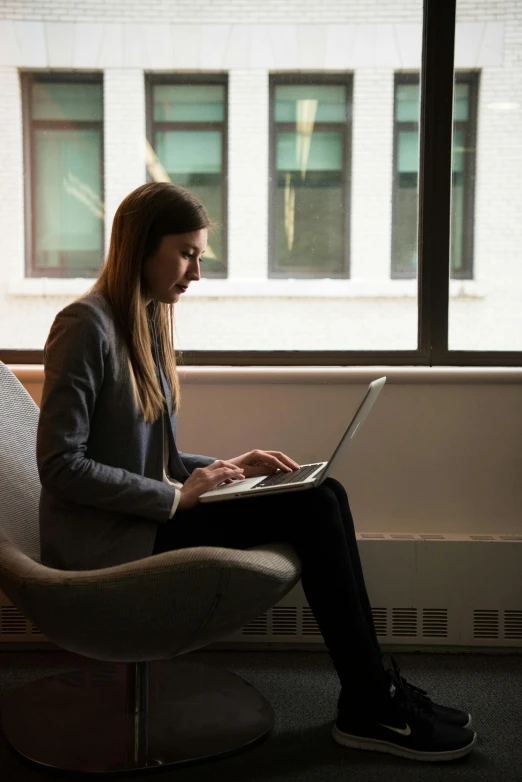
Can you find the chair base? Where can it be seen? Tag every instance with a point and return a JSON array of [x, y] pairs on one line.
[[84, 721]]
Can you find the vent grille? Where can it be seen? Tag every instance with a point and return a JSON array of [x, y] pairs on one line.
[[400, 536], [380, 620], [432, 537], [310, 626], [258, 626], [404, 622], [284, 620], [485, 624], [435, 623], [513, 624], [12, 621]]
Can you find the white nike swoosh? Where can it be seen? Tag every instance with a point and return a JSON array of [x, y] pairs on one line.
[[405, 731]]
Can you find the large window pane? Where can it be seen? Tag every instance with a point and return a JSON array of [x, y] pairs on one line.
[[488, 316], [283, 127]]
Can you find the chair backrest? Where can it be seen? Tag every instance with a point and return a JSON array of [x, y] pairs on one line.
[[19, 482]]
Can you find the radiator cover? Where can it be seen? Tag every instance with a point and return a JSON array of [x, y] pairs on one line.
[[425, 591]]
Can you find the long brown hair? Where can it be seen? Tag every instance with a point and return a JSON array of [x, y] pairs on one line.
[[143, 218]]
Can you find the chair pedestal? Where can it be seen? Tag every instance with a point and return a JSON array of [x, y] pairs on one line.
[[120, 718]]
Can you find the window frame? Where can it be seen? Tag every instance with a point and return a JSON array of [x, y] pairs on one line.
[[27, 78], [471, 78], [153, 78], [345, 79]]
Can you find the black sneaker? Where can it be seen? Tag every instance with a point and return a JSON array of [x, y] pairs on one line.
[[404, 727], [443, 713]]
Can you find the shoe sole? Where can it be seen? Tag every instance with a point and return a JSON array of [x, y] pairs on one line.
[[359, 742]]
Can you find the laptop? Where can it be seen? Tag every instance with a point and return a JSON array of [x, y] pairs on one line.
[[308, 476]]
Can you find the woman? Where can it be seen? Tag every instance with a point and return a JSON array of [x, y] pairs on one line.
[[116, 489]]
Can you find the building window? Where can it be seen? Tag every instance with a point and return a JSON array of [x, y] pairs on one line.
[[310, 120], [405, 179], [63, 124], [187, 135]]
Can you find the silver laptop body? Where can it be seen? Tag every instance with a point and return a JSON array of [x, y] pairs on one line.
[[314, 474]]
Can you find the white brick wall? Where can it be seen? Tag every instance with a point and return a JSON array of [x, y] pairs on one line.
[[214, 11], [248, 164], [11, 178], [372, 168], [124, 137]]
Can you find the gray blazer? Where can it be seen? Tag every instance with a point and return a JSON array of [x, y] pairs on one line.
[[100, 463]]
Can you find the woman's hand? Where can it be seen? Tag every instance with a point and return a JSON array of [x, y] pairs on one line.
[[263, 462], [204, 479]]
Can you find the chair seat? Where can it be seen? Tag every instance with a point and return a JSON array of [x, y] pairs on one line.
[[152, 608]]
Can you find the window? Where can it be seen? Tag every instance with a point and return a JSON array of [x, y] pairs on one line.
[[302, 133], [187, 134], [310, 176], [64, 175], [405, 179]]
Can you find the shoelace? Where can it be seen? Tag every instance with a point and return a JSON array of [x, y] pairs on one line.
[[420, 693], [422, 710], [422, 706]]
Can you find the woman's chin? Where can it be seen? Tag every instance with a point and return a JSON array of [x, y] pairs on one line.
[[171, 297]]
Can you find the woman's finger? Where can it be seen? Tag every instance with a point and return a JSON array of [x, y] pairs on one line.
[[281, 459], [275, 462]]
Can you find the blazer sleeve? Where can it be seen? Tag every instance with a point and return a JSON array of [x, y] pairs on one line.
[[74, 361]]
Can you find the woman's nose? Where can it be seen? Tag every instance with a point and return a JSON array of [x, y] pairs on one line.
[[195, 271]]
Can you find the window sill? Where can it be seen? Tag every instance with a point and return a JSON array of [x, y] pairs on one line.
[[262, 288], [49, 286], [194, 375]]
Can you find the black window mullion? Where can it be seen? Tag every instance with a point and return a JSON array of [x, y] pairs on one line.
[[435, 176]]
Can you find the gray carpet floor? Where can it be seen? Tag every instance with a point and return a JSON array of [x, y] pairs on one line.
[[302, 688]]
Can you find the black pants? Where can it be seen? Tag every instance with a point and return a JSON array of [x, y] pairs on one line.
[[318, 524]]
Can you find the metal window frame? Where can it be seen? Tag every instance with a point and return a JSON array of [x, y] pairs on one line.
[[344, 79], [27, 78], [471, 78], [152, 78], [437, 75]]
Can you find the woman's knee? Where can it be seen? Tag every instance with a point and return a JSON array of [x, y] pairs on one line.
[[334, 484], [325, 498]]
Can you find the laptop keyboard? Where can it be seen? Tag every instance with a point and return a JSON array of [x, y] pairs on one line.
[[277, 478]]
